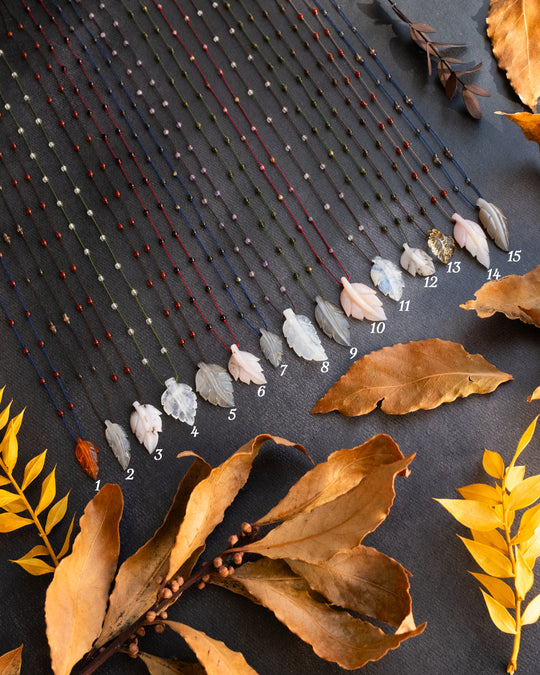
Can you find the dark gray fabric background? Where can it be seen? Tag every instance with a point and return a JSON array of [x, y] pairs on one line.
[[449, 440]]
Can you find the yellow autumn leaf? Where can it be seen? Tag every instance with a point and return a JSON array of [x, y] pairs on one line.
[[498, 588], [532, 611], [34, 566], [4, 415], [33, 469], [524, 576], [56, 513], [6, 497], [500, 616], [214, 655], [531, 549], [493, 464], [490, 559], [530, 521], [481, 492], [159, 666], [11, 662], [9, 448], [12, 521], [514, 475], [529, 124], [48, 492], [474, 514], [524, 494], [65, 545], [491, 538], [525, 439]]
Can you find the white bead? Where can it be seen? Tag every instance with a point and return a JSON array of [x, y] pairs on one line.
[[117, 266]]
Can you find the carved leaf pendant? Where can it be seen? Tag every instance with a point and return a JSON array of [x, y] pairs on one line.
[[441, 245], [271, 346], [332, 321], [302, 337], [495, 223], [361, 302], [471, 236], [145, 422], [387, 277], [179, 401], [416, 261], [245, 366], [87, 455], [118, 440], [214, 384]]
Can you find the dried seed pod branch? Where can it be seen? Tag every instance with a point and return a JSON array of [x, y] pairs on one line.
[[450, 78]]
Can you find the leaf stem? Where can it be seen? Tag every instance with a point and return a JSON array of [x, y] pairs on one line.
[[512, 664], [31, 512]]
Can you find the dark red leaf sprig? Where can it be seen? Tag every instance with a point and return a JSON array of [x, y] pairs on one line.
[[448, 77]]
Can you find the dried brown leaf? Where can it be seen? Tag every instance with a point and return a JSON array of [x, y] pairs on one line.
[[160, 666], [77, 596], [529, 124], [411, 376], [443, 72], [337, 525], [450, 86], [135, 586], [211, 497], [471, 103], [363, 580], [515, 296], [479, 91], [514, 30], [343, 470], [10, 662], [215, 656], [334, 635]]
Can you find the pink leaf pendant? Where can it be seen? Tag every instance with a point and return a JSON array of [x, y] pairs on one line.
[[361, 302]]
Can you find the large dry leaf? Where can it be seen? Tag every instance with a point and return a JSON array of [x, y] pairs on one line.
[[514, 29], [10, 662], [413, 376], [77, 596], [135, 586], [334, 635], [160, 666], [528, 123], [363, 580], [343, 470], [215, 656], [517, 297], [211, 497], [337, 525]]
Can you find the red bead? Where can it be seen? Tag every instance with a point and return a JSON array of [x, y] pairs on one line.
[[12, 284], [27, 177], [363, 103], [117, 194], [108, 335], [49, 67], [147, 248], [149, 283], [192, 333], [42, 206], [79, 308], [346, 80], [56, 374], [26, 351], [127, 370], [95, 342], [327, 31], [120, 227], [314, 10], [36, 45], [10, 34], [357, 74], [24, 55], [71, 405], [20, 27], [166, 313], [105, 201], [37, 77], [340, 52], [177, 304], [414, 175], [60, 413], [89, 301], [389, 120], [181, 342], [14, 182], [62, 275], [90, 173], [42, 380], [114, 377], [49, 99], [12, 323], [330, 56], [398, 151], [73, 268], [136, 254], [27, 314], [131, 222], [61, 89], [13, 145], [76, 147], [75, 114], [425, 168], [88, 138], [162, 274], [315, 36], [41, 343], [300, 16], [372, 96], [381, 126], [58, 235], [103, 166], [443, 193], [433, 199], [406, 144]]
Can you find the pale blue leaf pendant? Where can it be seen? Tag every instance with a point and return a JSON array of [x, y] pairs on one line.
[[271, 346], [214, 384], [118, 441], [495, 223], [179, 401], [302, 337], [332, 321], [387, 277], [145, 422]]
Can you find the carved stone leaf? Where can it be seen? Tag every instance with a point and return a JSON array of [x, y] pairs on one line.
[[387, 277], [145, 422], [342, 471], [214, 655], [302, 337], [514, 30], [413, 376], [214, 384], [77, 596], [361, 302], [334, 635], [179, 401], [332, 321], [212, 496], [159, 666], [515, 296], [416, 261], [135, 586], [336, 525], [10, 662], [471, 236], [245, 366], [118, 441], [271, 346], [495, 223]]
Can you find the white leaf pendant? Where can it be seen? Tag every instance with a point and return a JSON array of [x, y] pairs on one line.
[[145, 422], [118, 441], [416, 261], [179, 401], [332, 321], [361, 302], [302, 337], [495, 223], [387, 277], [245, 366], [214, 384], [271, 346], [471, 236]]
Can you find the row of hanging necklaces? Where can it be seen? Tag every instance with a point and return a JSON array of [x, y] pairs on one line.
[[221, 157]]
